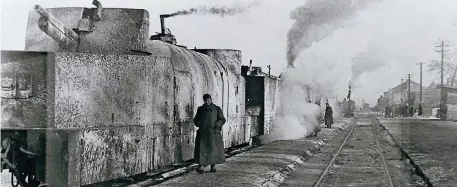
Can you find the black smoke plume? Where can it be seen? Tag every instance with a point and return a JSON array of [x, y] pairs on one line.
[[222, 11], [316, 20]]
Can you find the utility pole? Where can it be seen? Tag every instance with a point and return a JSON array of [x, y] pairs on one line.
[[401, 92], [391, 97], [420, 92], [442, 104], [409, 90], [442, 46], [420, 97], [409, 93], [349, 102]]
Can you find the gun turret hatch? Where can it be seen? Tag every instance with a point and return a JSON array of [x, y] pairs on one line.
[[63, 35], [92, 30]]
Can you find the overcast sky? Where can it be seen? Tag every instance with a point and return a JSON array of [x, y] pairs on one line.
[[398, 33]]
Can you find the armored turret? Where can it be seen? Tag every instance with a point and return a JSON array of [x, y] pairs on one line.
[[66, 37], [94, 30]]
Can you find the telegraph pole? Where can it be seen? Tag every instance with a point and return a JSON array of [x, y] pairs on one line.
[[391, 98], [409, 90], [409, 94], [442, 104], [420, 97], [401, 92], [442, 60], [349, 113], [420, 94]]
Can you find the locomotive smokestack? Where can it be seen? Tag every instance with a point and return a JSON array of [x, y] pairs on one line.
[[162, 36], [162, 22], [66, 37]]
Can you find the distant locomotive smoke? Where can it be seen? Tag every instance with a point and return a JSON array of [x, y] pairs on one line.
[[222, 11], [364, 62], [316, 20]]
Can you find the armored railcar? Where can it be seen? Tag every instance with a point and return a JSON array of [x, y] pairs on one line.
[[93, 98]]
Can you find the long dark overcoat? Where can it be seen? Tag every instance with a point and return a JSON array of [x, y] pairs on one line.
[[209, 145], [328, 115]]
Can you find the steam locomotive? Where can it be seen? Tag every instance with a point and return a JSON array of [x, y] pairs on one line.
[[92, 98]]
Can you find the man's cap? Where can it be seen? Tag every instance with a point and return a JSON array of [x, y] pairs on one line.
[[206, 96]]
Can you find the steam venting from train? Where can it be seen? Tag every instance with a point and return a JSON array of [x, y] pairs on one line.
[[222, 11], [297, 114], [365, 62], [316, 20]]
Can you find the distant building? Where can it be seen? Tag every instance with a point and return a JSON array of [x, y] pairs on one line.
[[431, 98], [399, 94], [383, 101], [450, 102]]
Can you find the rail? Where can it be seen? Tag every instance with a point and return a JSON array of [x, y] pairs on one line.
[[379, 150], [334, 158], [384, 164]]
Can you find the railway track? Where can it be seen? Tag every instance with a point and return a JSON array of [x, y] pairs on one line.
[[359, 161]]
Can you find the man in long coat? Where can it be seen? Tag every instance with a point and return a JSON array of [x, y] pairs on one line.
[[328, 116], [387, 112], [209, 145]]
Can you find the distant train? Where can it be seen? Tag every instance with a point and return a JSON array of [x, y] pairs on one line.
[[93, 98]]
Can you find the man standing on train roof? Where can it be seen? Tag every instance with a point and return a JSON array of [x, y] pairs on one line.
[[209, 145], [328, 116]]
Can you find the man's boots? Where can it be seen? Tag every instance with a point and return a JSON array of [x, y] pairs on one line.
[[199, 169]]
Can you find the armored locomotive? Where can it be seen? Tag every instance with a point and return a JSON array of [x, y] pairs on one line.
[[93, 98]]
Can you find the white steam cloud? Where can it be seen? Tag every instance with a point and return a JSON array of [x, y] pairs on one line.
[[365, 62], [295, 117]]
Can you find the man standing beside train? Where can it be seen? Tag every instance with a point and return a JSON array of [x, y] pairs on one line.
[[209, 145], [328, 116]]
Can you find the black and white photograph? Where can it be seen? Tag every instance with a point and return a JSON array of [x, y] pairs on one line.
[[228, 93]]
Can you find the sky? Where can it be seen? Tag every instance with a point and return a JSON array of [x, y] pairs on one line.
[[394, 34]]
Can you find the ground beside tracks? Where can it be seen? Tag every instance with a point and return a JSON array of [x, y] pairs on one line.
[[302, 162], [267, 165], [430, 144]]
